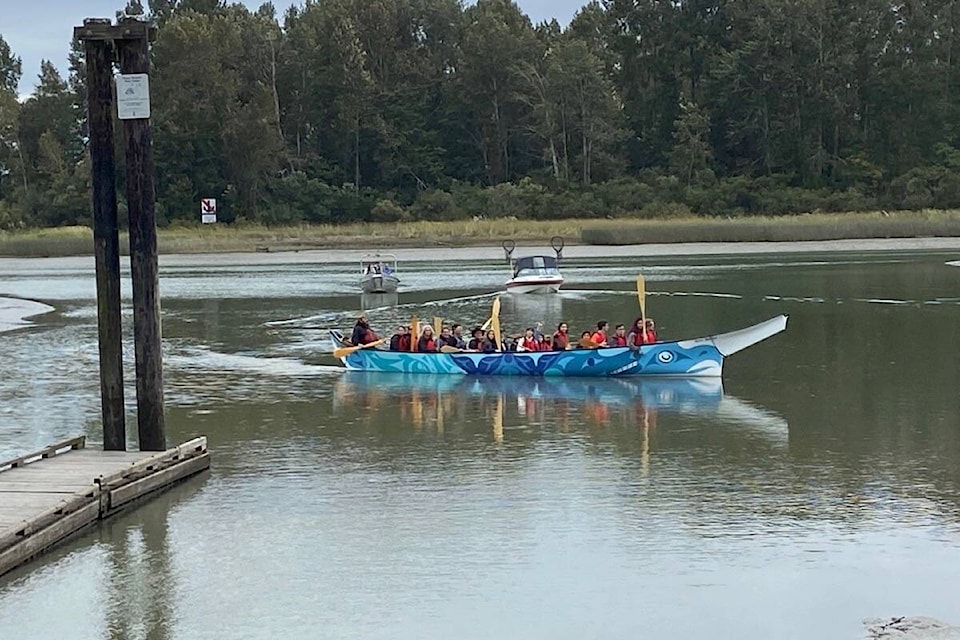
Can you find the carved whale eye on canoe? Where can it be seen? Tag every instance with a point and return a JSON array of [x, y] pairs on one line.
[[665, 357]]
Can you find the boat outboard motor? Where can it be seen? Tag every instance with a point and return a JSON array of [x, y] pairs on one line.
[[557, 243]]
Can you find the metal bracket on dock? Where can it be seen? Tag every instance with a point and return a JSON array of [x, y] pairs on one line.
[[138, 469], [147, 475]]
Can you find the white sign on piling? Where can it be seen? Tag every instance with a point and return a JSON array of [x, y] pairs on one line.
[[208, 210], [133, 96]]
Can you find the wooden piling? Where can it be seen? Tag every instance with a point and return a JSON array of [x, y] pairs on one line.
[[133, 49], [106, 241]]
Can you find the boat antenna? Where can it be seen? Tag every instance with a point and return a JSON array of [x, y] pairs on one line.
[[508, 247], [557, 243]]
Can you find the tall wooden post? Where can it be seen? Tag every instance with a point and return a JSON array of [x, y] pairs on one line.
[[135, 58], [106, 242]]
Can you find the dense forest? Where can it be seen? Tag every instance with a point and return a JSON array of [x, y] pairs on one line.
[[388, 110]]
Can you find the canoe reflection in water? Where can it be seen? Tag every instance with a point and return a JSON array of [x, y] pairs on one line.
[[563, 403]]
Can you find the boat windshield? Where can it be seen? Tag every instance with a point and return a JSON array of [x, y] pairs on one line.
[[536, 266], [378, 266]]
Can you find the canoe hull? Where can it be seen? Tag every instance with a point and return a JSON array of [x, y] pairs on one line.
[[685, 358]]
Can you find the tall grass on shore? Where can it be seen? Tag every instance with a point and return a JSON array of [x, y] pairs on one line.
[[67, 241], [45, 243], [809, 227]]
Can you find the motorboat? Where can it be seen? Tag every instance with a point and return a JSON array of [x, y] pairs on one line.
[[378, 273], [537, 273]]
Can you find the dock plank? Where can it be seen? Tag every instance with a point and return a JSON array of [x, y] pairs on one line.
[[48, 495]]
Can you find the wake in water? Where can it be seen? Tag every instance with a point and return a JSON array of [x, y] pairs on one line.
[[584, 294], [194, 359], [887, 301]]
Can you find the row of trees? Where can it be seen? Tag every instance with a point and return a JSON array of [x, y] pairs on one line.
[[385, 109]]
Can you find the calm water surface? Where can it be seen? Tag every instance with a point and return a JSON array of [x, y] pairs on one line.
[[819, 485]]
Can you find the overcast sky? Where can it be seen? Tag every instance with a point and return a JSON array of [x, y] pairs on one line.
[[42, 29]]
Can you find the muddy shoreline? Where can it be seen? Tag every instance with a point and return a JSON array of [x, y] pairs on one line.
[[494, 253]]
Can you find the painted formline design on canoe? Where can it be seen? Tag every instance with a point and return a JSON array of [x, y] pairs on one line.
[[683, 358]]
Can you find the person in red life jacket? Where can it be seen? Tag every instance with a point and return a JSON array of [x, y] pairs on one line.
[[640, 334], [544, 344], [599, 337], [619, 337], [651, 331], [476, 342], [427, 342], [400, 340], [528, 342], [561, 340], [362, 333]]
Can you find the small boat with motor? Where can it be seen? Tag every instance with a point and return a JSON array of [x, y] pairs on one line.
[[535, 274], [378, 273]]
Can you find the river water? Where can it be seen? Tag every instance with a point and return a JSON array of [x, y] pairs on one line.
[[818, 485]]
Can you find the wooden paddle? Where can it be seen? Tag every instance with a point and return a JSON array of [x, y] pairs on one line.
[[437, 325], [587, 343], [495, 322], [448, 349], [414, 332], [642, 297], [345, 351]]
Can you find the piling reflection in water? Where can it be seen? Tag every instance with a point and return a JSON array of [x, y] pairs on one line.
[[141, 593]]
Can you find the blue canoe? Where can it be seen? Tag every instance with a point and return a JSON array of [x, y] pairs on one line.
[[682, 358]]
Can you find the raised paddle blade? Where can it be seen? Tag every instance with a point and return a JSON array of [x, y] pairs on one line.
[[486, 325], [642, 297], [345, 351], [414, 332], [495, 323], [437, 325]]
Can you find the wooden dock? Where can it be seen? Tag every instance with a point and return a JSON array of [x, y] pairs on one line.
[[51, 494]]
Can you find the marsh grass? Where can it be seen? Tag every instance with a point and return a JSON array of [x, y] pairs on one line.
[[44, 243], [810, 227], [66, 241]]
